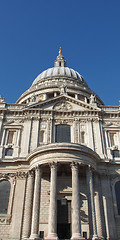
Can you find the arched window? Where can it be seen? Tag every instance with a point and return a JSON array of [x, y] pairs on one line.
[[62, 133], [4, 196], [117, 192]]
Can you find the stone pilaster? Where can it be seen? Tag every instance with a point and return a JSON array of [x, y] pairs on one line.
[[90, 134], [91, 205], [76, 223], [26, 137], [28, 206], [52, 224], [36, 204]]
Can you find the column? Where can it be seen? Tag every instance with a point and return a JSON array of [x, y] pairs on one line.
[[98, 206], [52, 224], [108, 207], [28, 206], [91, 205], [36, 204], [76, 224]]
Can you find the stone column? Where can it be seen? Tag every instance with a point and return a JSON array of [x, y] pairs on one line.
[[98, 206], [108, 207], [76, 224], [52, 224], [91, 205], [36, 204], [28, 206]]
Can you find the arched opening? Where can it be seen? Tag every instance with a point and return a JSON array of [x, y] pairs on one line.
[[4, 196], [117, 192]]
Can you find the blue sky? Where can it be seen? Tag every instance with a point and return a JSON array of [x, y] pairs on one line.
[[88, 31]]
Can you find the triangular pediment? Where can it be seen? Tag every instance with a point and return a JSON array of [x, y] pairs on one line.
[[111, 125], [63, 103], [13, 123]]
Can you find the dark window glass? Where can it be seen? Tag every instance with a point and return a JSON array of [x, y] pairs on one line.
[[117, 191], [62, 133], [115, 153], [41, 136], [82, 137], [4, 196], [8, 152]]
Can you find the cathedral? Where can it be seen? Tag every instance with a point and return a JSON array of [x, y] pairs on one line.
[[59, 161]]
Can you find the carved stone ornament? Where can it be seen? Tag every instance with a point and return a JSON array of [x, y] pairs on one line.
[[74, 165], [5, 219], [2, 99], [7, 175], [62, 106], [21, 175], [53, 164]]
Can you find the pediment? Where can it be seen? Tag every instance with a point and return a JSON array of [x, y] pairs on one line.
[[64, 103], [13, 123], [111, 125]]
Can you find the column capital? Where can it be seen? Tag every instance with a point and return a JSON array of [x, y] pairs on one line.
[[37, 168], [30, 173], [90, 168], [53, 164], [74, 165]]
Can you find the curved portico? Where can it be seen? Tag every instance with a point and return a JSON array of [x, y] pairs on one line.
[[75, 159], [63, 153]]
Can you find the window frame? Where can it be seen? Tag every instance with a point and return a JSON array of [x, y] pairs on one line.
[[16, 143], [6, 218], [60, 125], [113, 182]]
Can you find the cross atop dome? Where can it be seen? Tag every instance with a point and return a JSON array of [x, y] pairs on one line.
[[60, 62]]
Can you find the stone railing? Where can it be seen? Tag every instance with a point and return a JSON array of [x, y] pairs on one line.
[[15, 106], [111, 108]]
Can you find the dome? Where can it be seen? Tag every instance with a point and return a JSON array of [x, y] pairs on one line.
[[59, 72], [55, 81]]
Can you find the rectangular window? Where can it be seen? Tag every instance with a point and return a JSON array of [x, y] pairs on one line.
[[11, 137], [62, 133], [82, 137], [41, 136], [112, 138], [9, 152]]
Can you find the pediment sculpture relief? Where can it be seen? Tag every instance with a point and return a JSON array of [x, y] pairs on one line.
[[62, 106]]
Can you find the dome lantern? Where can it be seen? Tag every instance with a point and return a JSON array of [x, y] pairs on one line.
[[60, 62]]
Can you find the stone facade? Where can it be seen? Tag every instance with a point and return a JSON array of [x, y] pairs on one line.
[[59, 161]]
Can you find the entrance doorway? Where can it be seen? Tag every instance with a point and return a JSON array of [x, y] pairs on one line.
[[64, 219]]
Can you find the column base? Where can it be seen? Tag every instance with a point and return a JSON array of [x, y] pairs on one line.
[[52, 236], [94, 237], [25, 238], [34, 237], [77, 236]]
